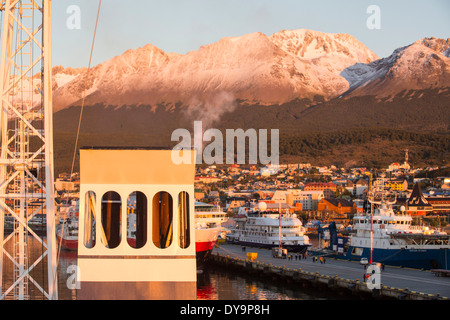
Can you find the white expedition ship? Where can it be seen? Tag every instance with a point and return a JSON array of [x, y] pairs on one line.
[[258, 227]]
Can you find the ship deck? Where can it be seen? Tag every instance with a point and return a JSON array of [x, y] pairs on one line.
[[422, 236], [403, 278], [421, 239]]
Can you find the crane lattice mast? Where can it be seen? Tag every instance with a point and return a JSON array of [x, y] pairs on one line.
[[26, 160]]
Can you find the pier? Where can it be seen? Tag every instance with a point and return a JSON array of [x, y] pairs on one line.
[[336, 274]]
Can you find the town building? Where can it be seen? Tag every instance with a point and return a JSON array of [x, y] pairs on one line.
[[397, 184], [207, 179], [233, 204], [358, 187], [328, 188], [66, 185], [295, 197], [341, 206], [417, 204], [440, 204], [198, 194]]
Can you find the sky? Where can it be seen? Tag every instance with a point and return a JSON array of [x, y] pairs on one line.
[[185, 25]]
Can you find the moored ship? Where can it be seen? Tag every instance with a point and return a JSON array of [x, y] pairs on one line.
[[67, 233], [386, 237], [208, 221], [207, 229], [267, 229]]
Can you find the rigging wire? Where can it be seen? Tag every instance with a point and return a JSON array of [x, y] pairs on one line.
[[85, 87], [79, 122], [1, 244]]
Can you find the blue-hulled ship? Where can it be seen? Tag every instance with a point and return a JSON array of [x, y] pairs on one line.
[[386, 237]]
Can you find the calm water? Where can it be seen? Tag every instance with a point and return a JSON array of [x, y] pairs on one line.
[[214, 284], [228, 285]]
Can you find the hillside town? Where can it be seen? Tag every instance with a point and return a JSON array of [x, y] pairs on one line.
[[314, 193]]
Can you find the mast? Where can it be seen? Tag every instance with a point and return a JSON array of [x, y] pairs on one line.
[[371, 237], [26, 160], [370, 194], [378, 196], [279, 225]]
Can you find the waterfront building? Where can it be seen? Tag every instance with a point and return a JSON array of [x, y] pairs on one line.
[[417, 204], [341, 206]]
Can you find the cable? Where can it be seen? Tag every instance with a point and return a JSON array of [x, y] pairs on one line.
[[79, 121], [82, 104], [84, 91]]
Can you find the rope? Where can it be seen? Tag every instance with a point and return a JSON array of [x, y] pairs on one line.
[[79, 121], [84, 91]]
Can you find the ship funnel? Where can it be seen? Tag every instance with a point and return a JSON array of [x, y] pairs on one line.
[[155, 260]]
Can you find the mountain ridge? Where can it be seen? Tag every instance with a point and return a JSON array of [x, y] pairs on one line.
[[422, 64], [303, 82], [254, 67], [257, 69]]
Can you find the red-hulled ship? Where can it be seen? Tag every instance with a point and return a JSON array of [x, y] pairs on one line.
[[207, 229], [208, 221], [67, 233]]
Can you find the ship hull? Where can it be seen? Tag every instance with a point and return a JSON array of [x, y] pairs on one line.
[[299, 248], [202, 249], [205, 240], [68, 244], [202, 254], [411, 258]]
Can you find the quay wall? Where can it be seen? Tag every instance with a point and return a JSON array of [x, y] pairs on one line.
[[306, 278]]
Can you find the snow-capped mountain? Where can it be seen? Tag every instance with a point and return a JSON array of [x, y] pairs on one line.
[[62, 76], [324, 56], [256, 69], [424, 64], [109, 78]]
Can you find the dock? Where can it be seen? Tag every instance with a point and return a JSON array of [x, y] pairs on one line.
[[335, 273]]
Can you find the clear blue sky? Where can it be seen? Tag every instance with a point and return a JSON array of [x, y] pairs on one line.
[[185, 25]]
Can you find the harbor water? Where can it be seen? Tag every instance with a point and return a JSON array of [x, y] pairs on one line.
[[213, 284]]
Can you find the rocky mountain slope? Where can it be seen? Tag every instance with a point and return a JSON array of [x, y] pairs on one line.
[[253, 68], [425, 64], [257, 69]]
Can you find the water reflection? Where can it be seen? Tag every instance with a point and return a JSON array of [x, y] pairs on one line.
[[213, 284], [218, 284]]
